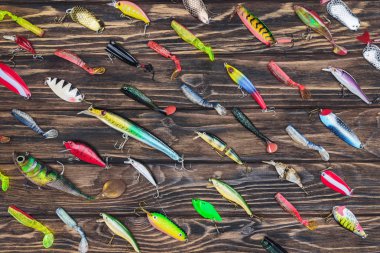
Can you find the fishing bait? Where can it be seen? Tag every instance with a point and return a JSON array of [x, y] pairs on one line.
[[197, 9], [28, 221], [339, 128], [340, 11], [371, 52], [71, 223], [140, 97], [74, 58], [24, 44], [22, 22], [298, 138], [42, 175], [347, 81], [287, 173], [12, 81], [128, 128], [84, 17], [84, 153], [244, 84], [288, 207], [64, 90], [244, 120], [167, 54], [116, 50], [281, 76], [198, 100], [112, 189], [28, 121], [206, 210], [271, 246], [190, 38], [334, 182], [4, 139], [4, 182], [347, 219], [119, 229], [315, 23]]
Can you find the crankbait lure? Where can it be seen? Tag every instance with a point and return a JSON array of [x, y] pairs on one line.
[[197, 9], [24, 44], [298, 138], [140, 97], [244, 120], [4, 139], [112, 189], [12, 81], [28, 221], [118, 228], [244, 84], [288, 207], [64, 90], [167, 54], [71, 223], [206, 210], [28, 121], [85, 18], [347, 219], [84, 153], [22, 22], [74, 58], [42, 175], [281, 76], [190, 38], [271, 246], [340, 11], [287, 173], [339, 128], [371, 52], [334, 182], [198, 100], [314, 22], [4, 182]]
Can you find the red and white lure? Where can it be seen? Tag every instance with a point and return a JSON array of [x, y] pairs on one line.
[[371, 52], [334, 182], [24, 44], [64, 90], [11, 80]]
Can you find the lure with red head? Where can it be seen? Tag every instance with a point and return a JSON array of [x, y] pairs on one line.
[[11, 80], [84, 153], [371, 52]]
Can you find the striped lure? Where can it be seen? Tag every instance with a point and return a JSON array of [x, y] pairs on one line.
[[12, 81], [334, 182], [347, 219]]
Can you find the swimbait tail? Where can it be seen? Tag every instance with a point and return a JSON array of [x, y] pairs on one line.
[[198, 100], [281, 76], [347, 219], [85, 18], [74, 58], [140, 97], [244, 120], [190, 38], [22, 22], [340, 11], [84, 153], [371, 52], [4, 182], [12, 81], [197, 9], [334, 182], [64, 90], [4, 139], [298, 138], [271, 246], [288, 207], [28, 221], [206, 210], [28, 121], [24, 44]]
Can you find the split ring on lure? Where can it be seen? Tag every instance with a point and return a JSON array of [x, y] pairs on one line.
[[84, 153], [22, 22], [4, 182], [85, 18], [347, 219], [74, 58], [271, 246], [340, 11], [12, 81], [334, 182], [64, 90], [197, 9], [24, 44], [371, 52]]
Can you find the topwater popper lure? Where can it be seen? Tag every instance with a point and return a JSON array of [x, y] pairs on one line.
[[244, 84], [12, 81], [334, 182], [74, 58], [340, 11], [190, 38], [371, 52], [64, 90], [24, 44], [314, 22], [197, 9], [28, 221], [4, 182], [247, 123], [280, 75], [84, 153], [85, 18], [22, 22], [42, 175], [347, 219], [271, 246]]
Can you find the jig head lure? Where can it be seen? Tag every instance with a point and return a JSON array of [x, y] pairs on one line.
[[22, 22], [74, 58], [4, 182], [64, 90], [24, 44], [371, 52], [84, 17], [271, 246], [197, 9], [84, 153], [340, 11], [334, 182], [12, 81], [347, 219]]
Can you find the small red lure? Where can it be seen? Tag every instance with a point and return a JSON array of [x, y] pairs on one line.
[[74, 58], [334, 182], [84, 153], [22, 42]]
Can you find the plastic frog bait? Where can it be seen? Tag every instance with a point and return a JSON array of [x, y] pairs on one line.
[[347, 219], [22, 22], [12, 81]]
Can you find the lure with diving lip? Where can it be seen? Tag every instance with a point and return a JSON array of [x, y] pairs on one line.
[[340, 11], [74, 58], [12, 81], [64, 90], [197, 9], [84, 153], [371, 52], [84, 17], [22, 22], [347, 219], [271, 246], [24, 44], [334, 182], [4, 182]]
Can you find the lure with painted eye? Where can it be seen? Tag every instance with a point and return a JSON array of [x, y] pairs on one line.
[[84, 153], [197, 9], [371, 52], [64, 90], [84, 17], [4, 182], [340, 11], [347, 219], [271, 246], [22, 22], [12, 81], [334, 182], [206, 210], [74, 58]]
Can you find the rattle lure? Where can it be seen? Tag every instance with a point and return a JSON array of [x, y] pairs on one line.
[[334, 182], [340, 11], [371, 52], [12, 81], [74, 58], [22, 22]]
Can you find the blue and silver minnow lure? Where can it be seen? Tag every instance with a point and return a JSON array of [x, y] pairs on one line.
[[339, 128]]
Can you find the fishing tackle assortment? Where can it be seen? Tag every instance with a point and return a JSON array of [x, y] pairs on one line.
[[84, 17], [24, 44], [197, 9], [112, 189], [271, 246], [4, 182], [84, 153], [12, 81], [64, 90], [22, 22], [347, 219], [371, 52], [340, 11], [74, 58], [334, 182]]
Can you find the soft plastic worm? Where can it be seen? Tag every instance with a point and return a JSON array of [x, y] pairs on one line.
[[22, 22], [74, 58]]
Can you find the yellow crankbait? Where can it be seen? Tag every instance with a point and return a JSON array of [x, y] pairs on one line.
[[22, 22], [85, 18]]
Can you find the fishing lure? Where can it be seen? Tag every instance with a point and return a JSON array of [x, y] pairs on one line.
[[28, 221], [271, 246], [167, 54], [42, 175], [74, 58], [22, 22], [206, 210], [84, 153], [298, 138], [119, 229], [196, 98], [12, 81], [190, 38], [140, 97], [4, 139], [347, 81], [347, 219], [4, 182], [112, 189], [128, 128], [334, 182], [315, 23], [24, 44], [28, 121], [371, 52], [281, 76], [244, 120], [288, 207], [84, 17], [287, 173], [71, 223], [339, 128], [64, 90], [244, 84], [197, 9], [340, 11]]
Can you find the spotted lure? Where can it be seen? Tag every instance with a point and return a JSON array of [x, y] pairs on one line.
[[347, 219], [12, 81], [197, 9], [4, 182], [340, 11], [22, 22], [74, 58], [371, 52], [84, 17]]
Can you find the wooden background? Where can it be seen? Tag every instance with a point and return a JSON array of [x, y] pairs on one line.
[[233, 43]]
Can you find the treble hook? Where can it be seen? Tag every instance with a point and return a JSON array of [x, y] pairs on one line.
[[122, 144]]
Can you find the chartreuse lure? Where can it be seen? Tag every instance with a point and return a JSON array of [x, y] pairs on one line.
[[190, 38], [22, 22], [4, 182], [347, 219], [28, 221], [206, 210]]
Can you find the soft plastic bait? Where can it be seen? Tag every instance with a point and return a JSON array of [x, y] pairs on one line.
[[64, 90], [271, 246], [85, 18], [371, 52], [347, 219], [74, 58], [84, 153], [197, 9], [22, 22], [340, 11], [4, 182], [12, 81], [334, 182]]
